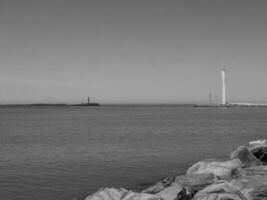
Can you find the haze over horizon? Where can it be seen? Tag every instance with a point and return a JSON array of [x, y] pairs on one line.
[[132, 51]]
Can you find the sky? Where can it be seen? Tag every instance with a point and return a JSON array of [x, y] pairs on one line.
[[132, 51]]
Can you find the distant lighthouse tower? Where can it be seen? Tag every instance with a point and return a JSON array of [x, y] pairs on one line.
[[223, 87]]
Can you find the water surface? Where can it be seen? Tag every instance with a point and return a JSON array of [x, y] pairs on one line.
[[66, 153]]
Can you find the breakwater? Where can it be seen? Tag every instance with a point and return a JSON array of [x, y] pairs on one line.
[[242, 177]]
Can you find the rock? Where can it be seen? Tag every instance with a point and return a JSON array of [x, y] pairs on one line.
[[257, 142], [252, 171], [245, 156], [253, 182], [221, 170], [160, 185], [218, 196], [180, 187], [120, 194], [171, 192], [108, 194], [193, 183], [184, 195], [221, 190], [259, 150], [251, 185], [195, 180], [140, 196], [166, 189]]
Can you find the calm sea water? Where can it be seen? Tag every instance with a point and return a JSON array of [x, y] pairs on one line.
[[56, 153]]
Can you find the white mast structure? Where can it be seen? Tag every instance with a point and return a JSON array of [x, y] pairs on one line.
[[223, 87]]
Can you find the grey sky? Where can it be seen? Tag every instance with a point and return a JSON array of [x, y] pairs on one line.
[[136, 51]]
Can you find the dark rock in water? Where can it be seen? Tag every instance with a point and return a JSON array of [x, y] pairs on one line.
[[244, 177], [245, 156]]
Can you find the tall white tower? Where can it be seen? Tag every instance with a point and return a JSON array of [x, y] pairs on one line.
[[223, 87]]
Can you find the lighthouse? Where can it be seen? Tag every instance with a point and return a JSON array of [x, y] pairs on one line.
[[223, 87]]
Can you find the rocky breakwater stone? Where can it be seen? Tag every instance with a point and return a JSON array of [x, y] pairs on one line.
[[246, 157], [243, 177], [259, 150], [167, 189], [193, 183], [251, 185], [159, 186], [180, 187], [225, 170], [120, 194]]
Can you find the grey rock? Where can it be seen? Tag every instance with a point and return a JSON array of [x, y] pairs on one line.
[[245, 156], [225, 170], [160, 185], [193, 183], [171, 192], [120, 194], [108, 194]]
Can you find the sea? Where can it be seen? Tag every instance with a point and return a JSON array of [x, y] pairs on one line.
[[68, 153]]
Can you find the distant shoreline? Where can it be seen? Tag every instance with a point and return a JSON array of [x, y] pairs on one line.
[[132, 105], [48, 104]]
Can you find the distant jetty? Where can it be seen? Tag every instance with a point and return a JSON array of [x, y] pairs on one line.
[[88, 103], [224, 102], [231, 105], [48, 105], [242, 177]]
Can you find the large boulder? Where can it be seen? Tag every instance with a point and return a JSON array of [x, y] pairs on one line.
[[225, 170], [245, 156], [221, 190], [259, 150], [254, 182], [251, 185]]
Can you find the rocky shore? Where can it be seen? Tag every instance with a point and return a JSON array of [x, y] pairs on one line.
[[242, 177]]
